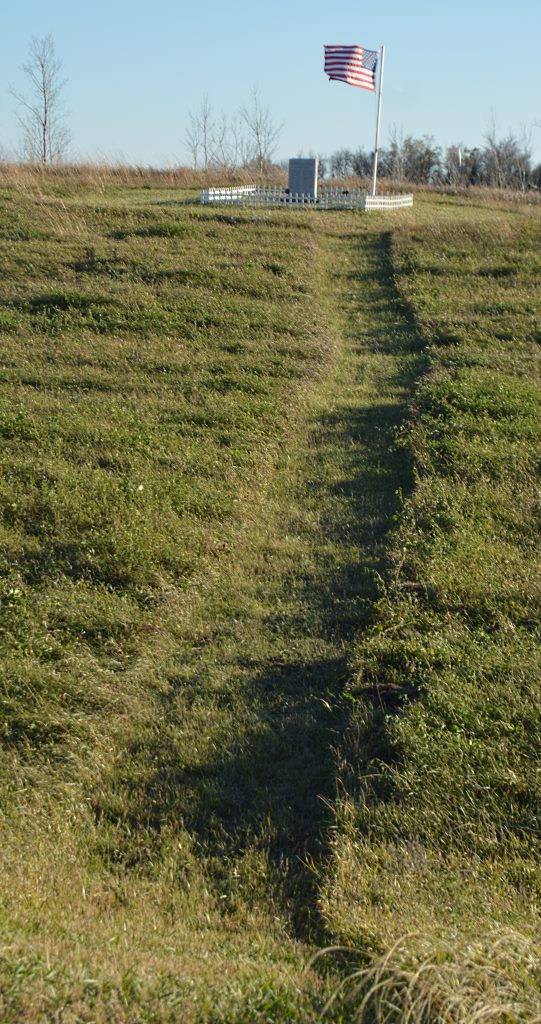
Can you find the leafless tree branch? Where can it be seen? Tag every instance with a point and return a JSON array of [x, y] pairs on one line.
[[41, 115]]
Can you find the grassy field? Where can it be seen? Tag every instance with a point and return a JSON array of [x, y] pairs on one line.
[[269, 577], [440, 813]]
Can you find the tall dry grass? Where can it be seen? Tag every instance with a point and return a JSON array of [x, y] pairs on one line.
[[100, 174], [490, 981]]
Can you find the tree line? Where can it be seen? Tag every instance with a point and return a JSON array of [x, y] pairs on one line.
[[248, 140], [498, 162]]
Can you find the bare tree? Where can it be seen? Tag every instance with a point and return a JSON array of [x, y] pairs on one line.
[[341, 163], [237, 141], [198, 136], [222, 153], [394, 155], [524, 156], [192, 138], [263, 133], [362, 163], [507, 161], [454, 162], [495, 157], [422, 159], [206, 125], [42, 117]]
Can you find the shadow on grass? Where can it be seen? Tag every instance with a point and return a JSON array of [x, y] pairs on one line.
[[270, 785]]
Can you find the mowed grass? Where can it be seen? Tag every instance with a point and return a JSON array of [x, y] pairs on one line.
[[269, 582], [155, 362], [142, 384], [440, 815]]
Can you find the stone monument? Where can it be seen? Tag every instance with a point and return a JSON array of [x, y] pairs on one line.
[[302, 177]]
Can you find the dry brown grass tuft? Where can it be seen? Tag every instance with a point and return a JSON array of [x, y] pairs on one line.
[[497, 981]]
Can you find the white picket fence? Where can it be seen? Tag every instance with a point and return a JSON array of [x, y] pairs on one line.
[[387, 202], [328, 199]]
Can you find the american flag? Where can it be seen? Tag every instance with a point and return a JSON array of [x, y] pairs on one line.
[[352, 64]]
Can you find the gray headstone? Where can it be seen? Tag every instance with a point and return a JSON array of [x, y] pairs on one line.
[[302, 176]]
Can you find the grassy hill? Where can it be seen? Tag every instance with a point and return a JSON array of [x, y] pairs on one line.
[[269, 576]]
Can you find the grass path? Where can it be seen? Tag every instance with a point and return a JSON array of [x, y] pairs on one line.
[[243, 751], [196, 854], [243, 746]]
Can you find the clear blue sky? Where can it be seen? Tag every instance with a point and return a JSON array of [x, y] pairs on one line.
[[136, 69]]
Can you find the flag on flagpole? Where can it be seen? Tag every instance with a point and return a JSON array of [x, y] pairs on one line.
[[353, 65]]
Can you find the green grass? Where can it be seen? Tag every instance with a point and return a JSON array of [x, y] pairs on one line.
[[440, 824], [269, 580]]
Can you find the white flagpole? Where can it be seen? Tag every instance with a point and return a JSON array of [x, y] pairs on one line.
[[378, 116]]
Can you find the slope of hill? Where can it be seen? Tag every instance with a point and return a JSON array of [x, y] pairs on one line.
[[269, 577], [439, 819]]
